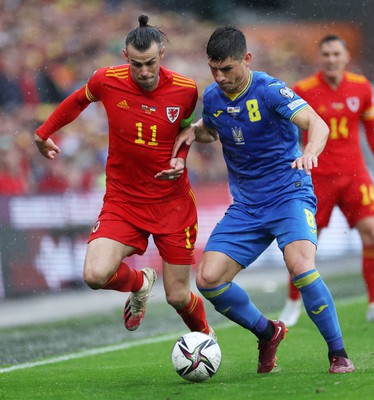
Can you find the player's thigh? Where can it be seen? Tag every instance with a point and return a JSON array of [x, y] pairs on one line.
[[327, 191], [295, 222], [239, 235], [357, 199], [299, 257], [104, 255], [176, 230], [115, 222], [216, 268]]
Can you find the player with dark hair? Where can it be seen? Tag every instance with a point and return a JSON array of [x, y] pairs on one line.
[[256, 116], [146, 194], [344, 100]]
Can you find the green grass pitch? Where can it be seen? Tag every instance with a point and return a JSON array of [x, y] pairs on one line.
[[141, 368]]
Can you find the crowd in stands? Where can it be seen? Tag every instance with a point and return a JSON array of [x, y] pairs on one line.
[[48, 49]]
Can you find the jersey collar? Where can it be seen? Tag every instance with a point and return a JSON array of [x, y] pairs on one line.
[[234, 96]]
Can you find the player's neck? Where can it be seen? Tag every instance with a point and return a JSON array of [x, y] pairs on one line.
[[333, 81], [245, 82]]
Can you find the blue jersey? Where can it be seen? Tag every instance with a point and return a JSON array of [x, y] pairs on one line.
[[259, 139]]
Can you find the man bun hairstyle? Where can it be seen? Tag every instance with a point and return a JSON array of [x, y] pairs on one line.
[[225, 42], [144, 35]]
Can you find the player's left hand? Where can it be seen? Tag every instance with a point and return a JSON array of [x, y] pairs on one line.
[[306, 161], [176, 171]]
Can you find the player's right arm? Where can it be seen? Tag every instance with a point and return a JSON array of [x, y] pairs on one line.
[[66, 112], [197, 132]]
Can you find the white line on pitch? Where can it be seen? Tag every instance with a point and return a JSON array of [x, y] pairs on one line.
[[91, 352]]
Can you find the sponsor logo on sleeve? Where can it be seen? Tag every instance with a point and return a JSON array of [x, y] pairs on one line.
[[296, 104]]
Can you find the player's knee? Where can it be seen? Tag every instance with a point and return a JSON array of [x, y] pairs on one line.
[[206, 279], [178, 299], [94, 278], [367, 236]]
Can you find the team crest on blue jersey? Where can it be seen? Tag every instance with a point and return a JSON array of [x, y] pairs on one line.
[[237, 135], [287, 92], [172, 113]]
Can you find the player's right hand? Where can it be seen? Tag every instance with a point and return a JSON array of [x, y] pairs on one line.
[[46, 147]]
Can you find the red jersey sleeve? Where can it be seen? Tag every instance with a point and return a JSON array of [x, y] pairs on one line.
[[66, 112]]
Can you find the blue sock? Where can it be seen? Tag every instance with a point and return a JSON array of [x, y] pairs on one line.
[[234, 303], [320, 307]]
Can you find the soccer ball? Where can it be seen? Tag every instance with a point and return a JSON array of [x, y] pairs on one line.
[[196, 356]]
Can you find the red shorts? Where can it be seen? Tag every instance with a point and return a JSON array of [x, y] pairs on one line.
[[354, 195], [173, 225]]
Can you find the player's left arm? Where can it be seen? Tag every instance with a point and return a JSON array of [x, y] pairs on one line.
[[318, 133]]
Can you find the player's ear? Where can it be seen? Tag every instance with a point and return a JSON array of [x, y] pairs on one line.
[[162, 52], [125, 55], [348, 57], [248, 58]]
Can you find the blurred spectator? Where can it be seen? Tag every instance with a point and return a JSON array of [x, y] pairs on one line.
[[11, 95], [13, 180], [49, 48]]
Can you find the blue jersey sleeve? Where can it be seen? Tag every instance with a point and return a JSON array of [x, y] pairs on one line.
[[284, 100]]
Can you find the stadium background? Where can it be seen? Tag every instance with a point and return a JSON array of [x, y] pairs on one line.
[[49, 48]]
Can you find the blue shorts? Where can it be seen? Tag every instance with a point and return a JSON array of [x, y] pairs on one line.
[[244, 234]]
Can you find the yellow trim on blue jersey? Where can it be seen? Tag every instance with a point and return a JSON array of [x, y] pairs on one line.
[[297, 112], [306, 280], [233, 96]]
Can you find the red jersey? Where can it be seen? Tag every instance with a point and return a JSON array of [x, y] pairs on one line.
[[342, 109], [143, 126]]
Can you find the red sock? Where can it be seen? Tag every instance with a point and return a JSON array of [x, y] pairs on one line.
[[368, 270], [193, 314], [126, 279], [293, 291]]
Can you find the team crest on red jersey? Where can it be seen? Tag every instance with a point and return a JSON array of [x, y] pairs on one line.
[[172, 113], [353, 103]]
